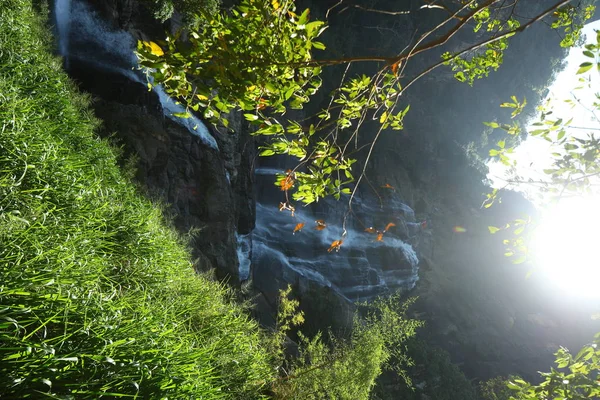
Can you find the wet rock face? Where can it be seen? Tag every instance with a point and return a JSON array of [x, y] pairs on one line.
[[131, 15], [328, 282], [238, 152], [179, 170], [119, 11], [120, 89], [206, 190]]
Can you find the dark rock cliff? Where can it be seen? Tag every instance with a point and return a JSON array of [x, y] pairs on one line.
[[207, 192]]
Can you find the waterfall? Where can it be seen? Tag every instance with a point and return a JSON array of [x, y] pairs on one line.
[[96, 43], [244, 250], [192, 123], [363, 268], [62, 12]]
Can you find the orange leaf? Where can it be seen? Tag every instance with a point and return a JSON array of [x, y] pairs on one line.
[[286, 183], [262, 103], [320, 225], [370, 230], [298, 227], [388, 226], [395, 67], [380, 237], [387, 186], [335, 245]]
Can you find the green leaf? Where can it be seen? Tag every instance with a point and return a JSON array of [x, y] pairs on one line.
[[589, 54], [312, 26], [492, 124], [584, 67], [493, 229], [318, 45], [251, 117], [304, 17], [182, 115], [383, 117], [267, 152], [519, 260], [570, 146]]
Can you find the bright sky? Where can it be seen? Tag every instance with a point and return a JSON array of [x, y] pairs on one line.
[[533, 154]]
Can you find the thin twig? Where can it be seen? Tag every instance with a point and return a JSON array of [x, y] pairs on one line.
[[375, 10]]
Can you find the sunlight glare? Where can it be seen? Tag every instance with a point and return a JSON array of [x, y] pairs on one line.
[[566, 246]]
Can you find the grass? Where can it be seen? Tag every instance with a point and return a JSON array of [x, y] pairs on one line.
[[98, 297]]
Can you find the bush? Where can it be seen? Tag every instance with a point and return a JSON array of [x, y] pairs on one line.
[[434, 376], [347, 369], [496, 388]]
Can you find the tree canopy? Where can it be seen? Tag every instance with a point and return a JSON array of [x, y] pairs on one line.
[[262, 57]]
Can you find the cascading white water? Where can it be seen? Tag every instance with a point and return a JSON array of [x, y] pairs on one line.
[[244, 252], [363, 268], [96, 43], [62, 12], [193, 124]]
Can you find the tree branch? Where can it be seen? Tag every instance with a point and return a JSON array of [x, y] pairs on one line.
[[375, 10], [485, 42]]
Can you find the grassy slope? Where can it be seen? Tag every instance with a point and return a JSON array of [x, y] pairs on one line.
[[97, 294]]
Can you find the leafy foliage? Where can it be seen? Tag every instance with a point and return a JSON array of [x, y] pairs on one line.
[[433, 374], [502, 27], [480, 64], [571, 20], [259, 58], [576, 377], [497, 388], [248, 54], [348, 368]]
